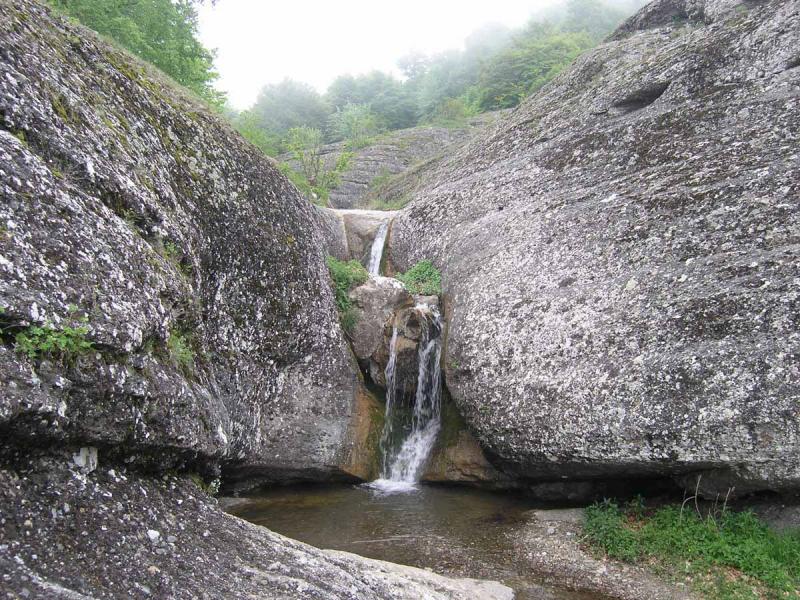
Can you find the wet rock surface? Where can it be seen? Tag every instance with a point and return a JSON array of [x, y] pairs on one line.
[[115, 534], [620, 257], [349, 234]]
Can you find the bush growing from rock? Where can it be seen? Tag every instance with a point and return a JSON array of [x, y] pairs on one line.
[[423, 278], [344, 277]]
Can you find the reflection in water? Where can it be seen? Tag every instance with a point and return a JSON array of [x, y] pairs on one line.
[[458, 531]]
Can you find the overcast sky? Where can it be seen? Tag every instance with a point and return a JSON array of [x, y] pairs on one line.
[[260, 42]]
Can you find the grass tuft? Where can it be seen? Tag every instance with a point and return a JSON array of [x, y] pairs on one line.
[[423, 278], [344, 277], [727, 555]]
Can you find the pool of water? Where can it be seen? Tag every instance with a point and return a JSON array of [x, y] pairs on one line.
[[457, 531]]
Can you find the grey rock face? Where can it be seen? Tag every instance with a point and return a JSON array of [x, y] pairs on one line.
[[349, 234], [196, 265], [115, 534], [376, 303], [620, 256], [391, 154]]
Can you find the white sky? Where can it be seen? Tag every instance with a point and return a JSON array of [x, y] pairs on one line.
[[260, 42]]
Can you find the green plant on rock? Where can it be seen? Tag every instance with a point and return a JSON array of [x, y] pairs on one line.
[[726, 554], [344, 277], [64, 342], [180, 350], [211, 487], [423, 278], [312, 177]]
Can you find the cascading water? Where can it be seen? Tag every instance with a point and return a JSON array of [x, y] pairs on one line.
[[376, 253], [403, 463]]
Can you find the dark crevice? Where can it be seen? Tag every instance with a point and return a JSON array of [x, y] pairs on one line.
[[793, 63], [641, 98]]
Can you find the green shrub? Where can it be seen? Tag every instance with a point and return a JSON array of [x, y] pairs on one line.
[[423, 278], [708, 547], [344, 277], [180, 350], [66, 342], [311, 177], [605, 528]]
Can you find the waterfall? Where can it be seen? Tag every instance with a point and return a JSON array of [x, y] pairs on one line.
[[376, 254], [402, 467]]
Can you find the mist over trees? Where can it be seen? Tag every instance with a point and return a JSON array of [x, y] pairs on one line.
[[497, 68]]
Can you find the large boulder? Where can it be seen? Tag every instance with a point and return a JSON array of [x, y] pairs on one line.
[[620, 257], [195, 266], [375, 304]]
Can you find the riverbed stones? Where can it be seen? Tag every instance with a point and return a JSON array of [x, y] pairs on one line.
[[620, 257]]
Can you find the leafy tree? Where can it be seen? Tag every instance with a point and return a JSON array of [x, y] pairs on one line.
[[249, 125], [162, 32], [591, 17], [529, 63], [355, 123], [289, 104], [387, 97], [453, 112], [413, 65], [305, 145], [313, 178]]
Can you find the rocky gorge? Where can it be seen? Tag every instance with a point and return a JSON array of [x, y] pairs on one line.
[[620, 297]]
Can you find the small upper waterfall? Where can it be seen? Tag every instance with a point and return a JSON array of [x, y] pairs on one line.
[[376, 254], [406, 446]]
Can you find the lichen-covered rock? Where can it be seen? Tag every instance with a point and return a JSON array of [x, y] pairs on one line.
[[375, 304], [393, 153], [620, 256], [116, 534], [194, 263]]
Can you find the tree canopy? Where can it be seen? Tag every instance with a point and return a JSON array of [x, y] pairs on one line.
[[162, 32], [497, 68]]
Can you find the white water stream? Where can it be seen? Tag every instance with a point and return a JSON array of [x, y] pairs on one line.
[[376, 254], [403, 465]]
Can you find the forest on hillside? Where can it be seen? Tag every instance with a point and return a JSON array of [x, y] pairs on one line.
[[496, 69]]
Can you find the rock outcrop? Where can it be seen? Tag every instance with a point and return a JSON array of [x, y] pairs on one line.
[[368, 178], [349, 234], [194, 264], [620, 257], [114, 534], [165, 314]]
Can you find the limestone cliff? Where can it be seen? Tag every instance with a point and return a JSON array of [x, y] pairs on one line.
[[620, 257]]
